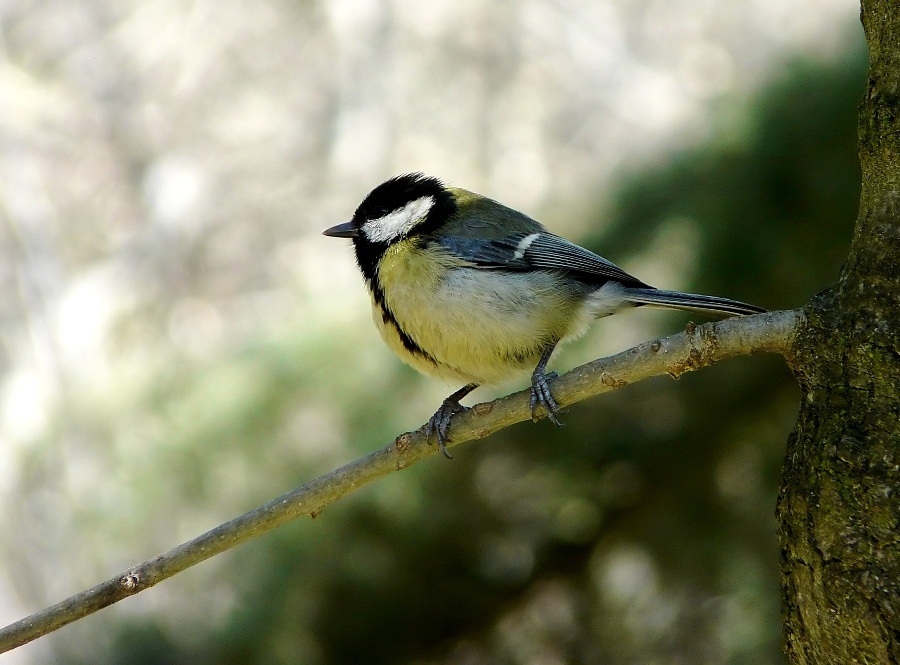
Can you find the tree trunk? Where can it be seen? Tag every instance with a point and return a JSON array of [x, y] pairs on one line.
[[840, 498]]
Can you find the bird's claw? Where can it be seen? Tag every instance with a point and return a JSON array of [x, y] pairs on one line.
[[439, 423], [542, 398]]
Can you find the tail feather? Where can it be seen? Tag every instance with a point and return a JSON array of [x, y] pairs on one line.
[[689, 301]]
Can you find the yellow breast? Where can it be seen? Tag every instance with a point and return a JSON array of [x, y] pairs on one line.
[[476, 326]]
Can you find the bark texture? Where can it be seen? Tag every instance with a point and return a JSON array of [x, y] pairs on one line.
[[840, 500]]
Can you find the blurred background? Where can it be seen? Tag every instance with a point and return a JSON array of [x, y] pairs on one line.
[[179, 343]]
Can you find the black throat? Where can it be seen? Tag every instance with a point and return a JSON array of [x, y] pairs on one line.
[[389, 196]]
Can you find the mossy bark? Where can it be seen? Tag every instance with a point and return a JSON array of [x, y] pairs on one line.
[[839, 508]]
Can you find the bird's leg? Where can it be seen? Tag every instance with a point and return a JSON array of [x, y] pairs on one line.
[[540, 390], [439, 423]]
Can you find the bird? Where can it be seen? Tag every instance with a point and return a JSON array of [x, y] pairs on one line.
[[468, 290]]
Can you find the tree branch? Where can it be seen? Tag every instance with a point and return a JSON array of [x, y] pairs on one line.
[[696, 347]]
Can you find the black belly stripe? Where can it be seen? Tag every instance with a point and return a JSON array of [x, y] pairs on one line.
[[387, 316]]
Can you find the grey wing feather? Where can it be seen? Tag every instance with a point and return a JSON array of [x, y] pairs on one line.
[[537, 251], [552, 252], [497, 253]]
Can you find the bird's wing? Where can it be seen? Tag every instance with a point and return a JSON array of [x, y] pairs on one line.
[[535, 251]]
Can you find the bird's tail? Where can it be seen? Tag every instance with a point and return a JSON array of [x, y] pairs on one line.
[[689, 301]]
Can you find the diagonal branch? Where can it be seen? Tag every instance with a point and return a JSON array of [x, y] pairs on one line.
[[696, 347]]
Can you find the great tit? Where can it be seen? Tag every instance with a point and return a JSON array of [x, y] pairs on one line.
[[468, 290]]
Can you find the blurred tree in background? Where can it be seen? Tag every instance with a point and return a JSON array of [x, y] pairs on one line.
[[178, 345]]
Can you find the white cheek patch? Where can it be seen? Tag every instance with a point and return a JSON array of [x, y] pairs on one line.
[[399, 222]]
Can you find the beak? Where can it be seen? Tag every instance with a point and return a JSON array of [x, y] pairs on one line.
[[345, 230]]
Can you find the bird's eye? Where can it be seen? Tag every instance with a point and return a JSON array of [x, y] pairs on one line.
[[380, 211]]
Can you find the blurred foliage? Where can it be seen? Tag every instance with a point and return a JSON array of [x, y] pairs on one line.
[[641, 532]]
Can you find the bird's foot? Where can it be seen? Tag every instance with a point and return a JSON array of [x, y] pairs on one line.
[[439, 423], [542, 398]]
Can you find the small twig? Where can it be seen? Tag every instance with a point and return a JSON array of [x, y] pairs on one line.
[[697, 346]]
